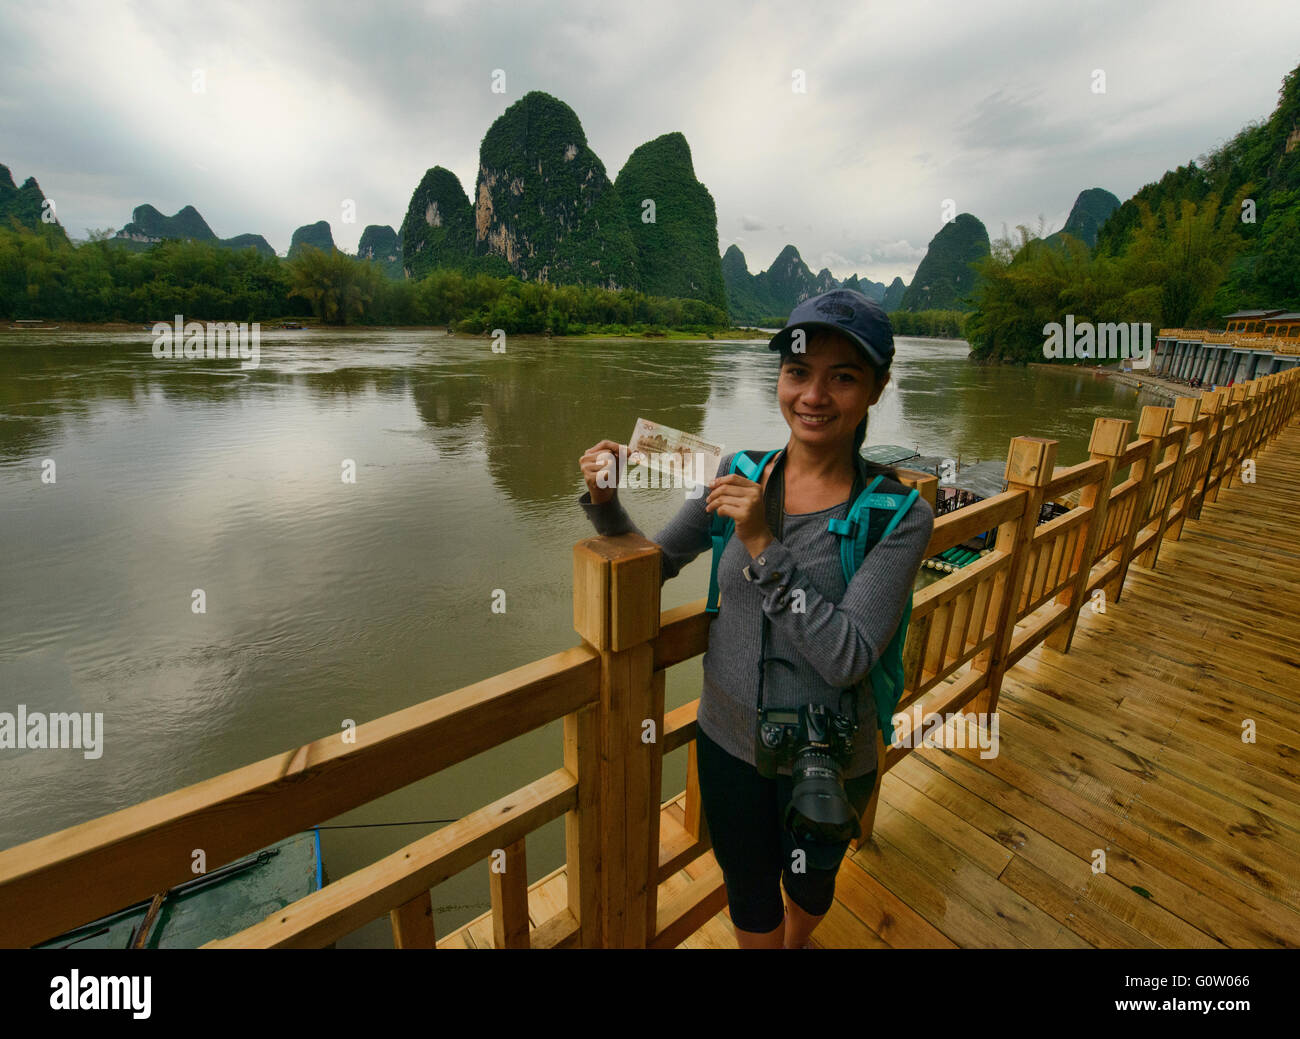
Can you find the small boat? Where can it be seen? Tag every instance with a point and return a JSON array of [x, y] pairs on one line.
[[214, 905], [290, 324], [967, 484]]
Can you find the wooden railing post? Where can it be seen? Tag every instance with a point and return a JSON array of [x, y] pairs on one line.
[[1030, 462], [616, 610], [1187, 414], [1234, 431], [412, 924], [582, 826], [508, 886], [1161, 495], [694, 821], [926, 484], [1153, 426], [1255, 400], [1211, 408], [1109, 437]]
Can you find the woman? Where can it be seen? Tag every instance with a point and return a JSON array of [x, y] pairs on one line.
[[785, 608]]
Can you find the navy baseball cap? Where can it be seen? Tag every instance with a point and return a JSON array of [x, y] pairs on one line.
[[850, 314]]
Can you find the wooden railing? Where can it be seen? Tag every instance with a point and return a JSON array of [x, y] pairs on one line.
[[1240, 340], [966, 631]]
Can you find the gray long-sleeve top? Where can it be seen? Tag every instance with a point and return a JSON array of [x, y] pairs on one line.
[[830, 645]]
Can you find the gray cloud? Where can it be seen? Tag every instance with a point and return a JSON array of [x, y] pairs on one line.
[[308, 104]]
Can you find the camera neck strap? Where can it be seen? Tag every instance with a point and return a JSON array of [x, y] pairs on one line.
[[774, 509]]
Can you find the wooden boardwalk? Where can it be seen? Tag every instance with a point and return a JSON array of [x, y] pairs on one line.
[[1129, 745]]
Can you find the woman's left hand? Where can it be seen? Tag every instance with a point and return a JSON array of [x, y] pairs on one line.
[[741, 500]]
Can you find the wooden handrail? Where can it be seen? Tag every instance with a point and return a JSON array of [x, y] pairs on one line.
[[340, 908], [135, 852]]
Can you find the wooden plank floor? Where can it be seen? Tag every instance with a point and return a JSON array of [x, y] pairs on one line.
[[1129, 746]]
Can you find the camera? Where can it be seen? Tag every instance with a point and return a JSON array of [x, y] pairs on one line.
[[817, 744]]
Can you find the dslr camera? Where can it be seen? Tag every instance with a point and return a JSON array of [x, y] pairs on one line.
[[817, 745]]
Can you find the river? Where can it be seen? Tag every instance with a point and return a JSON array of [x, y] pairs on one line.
[[327, 600]]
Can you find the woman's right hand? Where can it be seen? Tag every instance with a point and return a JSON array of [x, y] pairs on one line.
[[598, 459]]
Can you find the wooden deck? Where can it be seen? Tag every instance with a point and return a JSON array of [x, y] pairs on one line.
[[1131, 744]]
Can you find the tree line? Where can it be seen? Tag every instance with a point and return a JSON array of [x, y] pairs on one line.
[[44, 277], [1172, 272]]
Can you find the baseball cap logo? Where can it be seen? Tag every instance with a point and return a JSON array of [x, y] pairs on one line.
[[833, 309]]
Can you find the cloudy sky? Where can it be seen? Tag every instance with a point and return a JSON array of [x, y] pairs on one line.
[[991, 104]]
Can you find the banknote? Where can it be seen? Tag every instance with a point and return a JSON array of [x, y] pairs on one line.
[[669, 450]]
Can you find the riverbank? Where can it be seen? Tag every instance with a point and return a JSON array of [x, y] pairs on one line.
[[274, 325], [1154, 384]]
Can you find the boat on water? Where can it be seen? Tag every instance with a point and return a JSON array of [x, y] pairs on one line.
[[213, 905], [960, 485]]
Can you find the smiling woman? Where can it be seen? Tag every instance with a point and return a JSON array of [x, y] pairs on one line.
[[787, 754]]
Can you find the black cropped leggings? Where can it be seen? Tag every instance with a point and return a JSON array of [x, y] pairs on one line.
[[754, 850]]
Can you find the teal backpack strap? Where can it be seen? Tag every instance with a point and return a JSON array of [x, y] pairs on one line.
[[721, 528], [886, 677], [852, 531]]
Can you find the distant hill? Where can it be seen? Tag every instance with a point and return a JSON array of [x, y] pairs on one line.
[[439, 227], [249, 241], [894, 295], [787, 283], [544, 203], [22, 207], [873, 290], [317, 234], [1091, 209], [676, 253], [944, 276], [148, 226], [383, 246], [752, 297], [744, 301]]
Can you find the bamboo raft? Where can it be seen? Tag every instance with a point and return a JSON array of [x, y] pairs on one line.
[[1132, 746]]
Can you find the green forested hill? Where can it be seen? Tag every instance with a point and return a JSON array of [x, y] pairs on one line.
[[894, 295], [873, 290], [746, 301], [1217, 235], [677, 252], [788, 281], [544, 203], [21, 208], [1090, 211], [945, 277], [383, 246], [775, 292], [317, 235], [148, 226], [1258, 173], [770, 293], [249, 241], [439, 227]]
